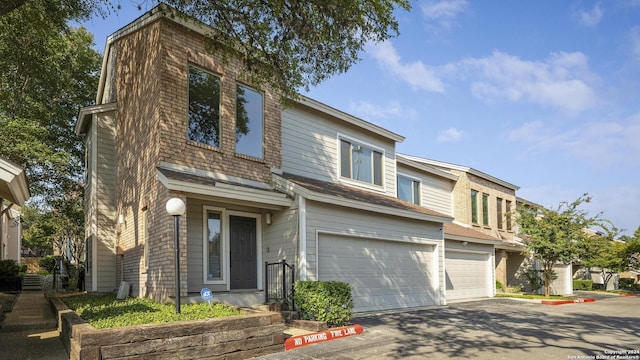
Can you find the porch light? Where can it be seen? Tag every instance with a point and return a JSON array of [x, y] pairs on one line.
[[176, 208]]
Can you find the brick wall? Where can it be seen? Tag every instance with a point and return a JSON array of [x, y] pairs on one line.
[[462, 203], [151, 87]]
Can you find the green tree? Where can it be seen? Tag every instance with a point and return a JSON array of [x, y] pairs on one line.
[[47, 71], [605, 253], [553, 236], [287, 44]]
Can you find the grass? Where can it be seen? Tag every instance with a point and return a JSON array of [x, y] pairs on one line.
[[535, 296], [105, 311]]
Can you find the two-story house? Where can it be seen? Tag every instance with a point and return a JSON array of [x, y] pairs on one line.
[[307, 183], [469, 252]]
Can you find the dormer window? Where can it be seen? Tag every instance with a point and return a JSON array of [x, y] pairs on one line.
[[204, 107], [360, 162]]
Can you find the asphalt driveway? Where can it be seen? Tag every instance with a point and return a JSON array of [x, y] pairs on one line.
[[492, 329]]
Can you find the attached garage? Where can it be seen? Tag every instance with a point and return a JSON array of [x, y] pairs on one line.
[[382, 274], [468, 274]]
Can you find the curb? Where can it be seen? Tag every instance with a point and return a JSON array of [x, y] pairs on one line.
[[295, 342], [563, 302], [629, 295]]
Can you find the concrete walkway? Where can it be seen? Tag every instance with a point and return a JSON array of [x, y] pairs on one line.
[[29, 330]]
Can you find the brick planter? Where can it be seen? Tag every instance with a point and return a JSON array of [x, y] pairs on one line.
[[237, 337]]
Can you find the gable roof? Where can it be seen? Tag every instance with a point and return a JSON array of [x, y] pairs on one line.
[[13, 183], [404, 160], [470, 170], [347, 196]]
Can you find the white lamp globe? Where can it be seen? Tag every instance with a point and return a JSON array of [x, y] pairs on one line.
[[175, 207]]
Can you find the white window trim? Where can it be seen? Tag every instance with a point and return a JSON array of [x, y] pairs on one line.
[[359, 183], [224, 245], [410, 177]]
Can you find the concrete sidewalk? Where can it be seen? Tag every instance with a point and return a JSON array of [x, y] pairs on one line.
[[29, 330]]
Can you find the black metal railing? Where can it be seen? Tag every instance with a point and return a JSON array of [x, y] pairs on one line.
[[278, 284]]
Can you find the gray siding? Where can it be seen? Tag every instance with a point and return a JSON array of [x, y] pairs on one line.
[[436, 191], [310, 147], [279, 240], [105, 209]]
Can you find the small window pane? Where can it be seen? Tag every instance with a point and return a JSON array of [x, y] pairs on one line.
[[361, 158], [249, 122], [377, 168], [214, 241], [416, 192], [405, 188], [204, 107], [508, 210], [474, 206], [345, 158], [499, 212], [485, 209]]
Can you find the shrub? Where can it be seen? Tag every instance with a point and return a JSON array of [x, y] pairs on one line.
[[9, 267], [49, 262], [635, 287], [328, 301], [626, 283], [582, 285], [499, 285]]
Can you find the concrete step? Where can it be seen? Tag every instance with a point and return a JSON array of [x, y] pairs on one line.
[[32, 282]]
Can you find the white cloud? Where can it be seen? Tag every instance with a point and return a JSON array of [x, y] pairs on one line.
[[443, 12], [590, 18], [561, 81], [418, 75], [603, 144], [393, 109], [450, 135]]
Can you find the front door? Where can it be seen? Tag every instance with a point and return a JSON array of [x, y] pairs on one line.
[[242, 248]]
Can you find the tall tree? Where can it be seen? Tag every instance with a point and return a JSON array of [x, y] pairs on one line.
[[553, 236], [47, 71], [287, 44]]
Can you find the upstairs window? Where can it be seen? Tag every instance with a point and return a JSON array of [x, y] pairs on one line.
[[474, 206], [359, 162], [508, 210], [485, 209], [499, 214], [249, 122], [409, 189], [204, 107]]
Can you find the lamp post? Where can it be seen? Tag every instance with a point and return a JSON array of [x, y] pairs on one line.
[[175, 207]]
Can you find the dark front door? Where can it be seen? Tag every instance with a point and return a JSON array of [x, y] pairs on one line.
[[242, 239]]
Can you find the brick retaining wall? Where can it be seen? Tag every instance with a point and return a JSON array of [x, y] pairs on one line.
[[237, 337]]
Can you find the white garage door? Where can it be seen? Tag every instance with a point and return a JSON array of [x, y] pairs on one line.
[[382, 274], [467, 275]]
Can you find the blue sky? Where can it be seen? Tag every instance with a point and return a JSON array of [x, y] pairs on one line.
[[542, 94]]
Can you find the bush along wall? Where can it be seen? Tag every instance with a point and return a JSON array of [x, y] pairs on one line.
[[582, 285], [10, 275], [327, 301]]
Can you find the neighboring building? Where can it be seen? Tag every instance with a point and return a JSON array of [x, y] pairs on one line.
[[308, 184], [469, 253], [14, 191], [484, 204]]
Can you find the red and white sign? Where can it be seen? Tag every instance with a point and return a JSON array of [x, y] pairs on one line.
[[322, 336]]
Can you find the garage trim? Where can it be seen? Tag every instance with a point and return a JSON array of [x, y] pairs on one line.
[[435, 267]]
